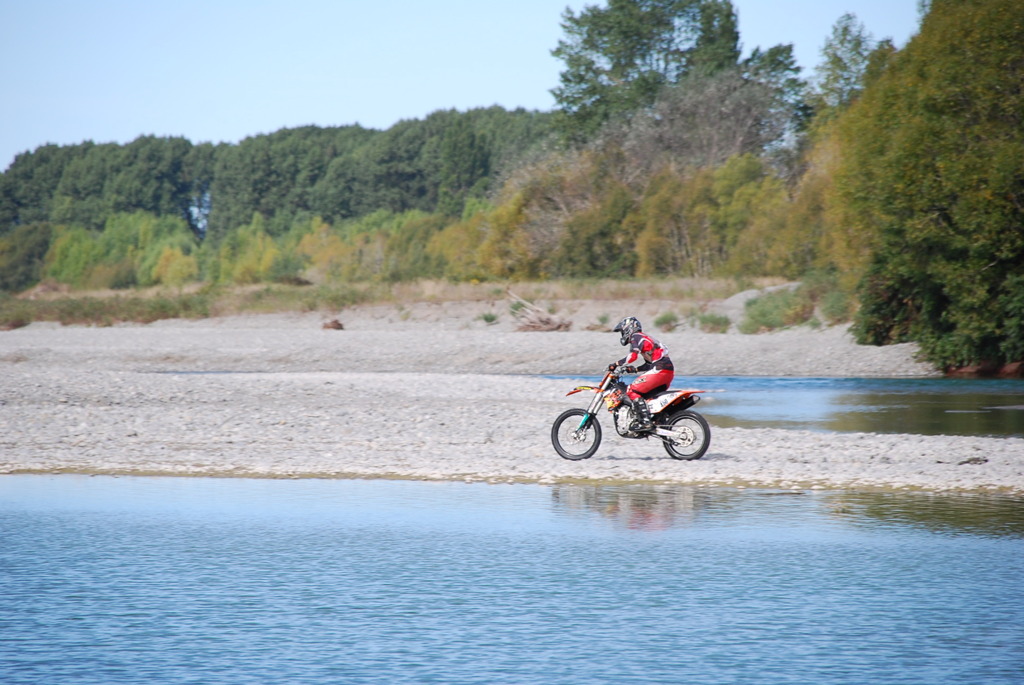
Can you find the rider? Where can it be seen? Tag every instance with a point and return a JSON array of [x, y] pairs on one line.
[[656, 373]]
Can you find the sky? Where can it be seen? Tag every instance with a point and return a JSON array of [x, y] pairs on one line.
[[223, 70]]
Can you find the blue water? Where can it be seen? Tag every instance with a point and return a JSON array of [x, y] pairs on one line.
[[147, 580], [921, 406]]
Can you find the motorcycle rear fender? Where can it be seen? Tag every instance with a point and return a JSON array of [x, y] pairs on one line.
[[678, 399]]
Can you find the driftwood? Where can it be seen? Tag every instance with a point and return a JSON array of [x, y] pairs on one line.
[[533, 318], [334, 325]]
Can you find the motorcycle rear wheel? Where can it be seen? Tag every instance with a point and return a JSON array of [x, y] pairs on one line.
[[576, 436], [692, 435]]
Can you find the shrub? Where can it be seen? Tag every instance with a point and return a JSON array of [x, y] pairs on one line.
[[714, 323], [14, 313], [837, 306], [777, 309], [666, 321]]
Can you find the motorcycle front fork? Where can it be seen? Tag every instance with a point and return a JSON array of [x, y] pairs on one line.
[[595, 404]]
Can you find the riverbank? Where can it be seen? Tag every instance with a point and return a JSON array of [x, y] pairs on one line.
[[431, 391]]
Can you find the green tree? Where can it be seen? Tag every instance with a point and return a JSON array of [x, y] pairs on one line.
[[246, 254], [717, 45], [28, 186], [408, 256], [465, 165], [21, 256], [620, 61], [79, 198], [121, 255], [72, 256], [851, 59], [776, 70], [618, 57], [840, 75], [149, 175], [85, 184], [932, 171], [278, 174]]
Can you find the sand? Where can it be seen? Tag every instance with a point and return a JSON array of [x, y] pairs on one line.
[[432, 391]]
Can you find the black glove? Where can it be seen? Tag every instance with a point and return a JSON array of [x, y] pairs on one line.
[[613, 366]]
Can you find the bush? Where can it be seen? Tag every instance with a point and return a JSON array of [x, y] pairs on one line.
[[714, 323], [14, 313], [666, 321], [103, 311], [837, 306], [341, 296], [778, 309]]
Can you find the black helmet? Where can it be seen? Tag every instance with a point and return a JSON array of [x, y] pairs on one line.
[[626, 328]]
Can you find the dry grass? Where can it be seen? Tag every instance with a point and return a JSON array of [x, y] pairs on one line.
[[105, 307], [679, 289]]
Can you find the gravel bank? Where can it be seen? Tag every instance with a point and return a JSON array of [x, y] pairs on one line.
[[430, 392]]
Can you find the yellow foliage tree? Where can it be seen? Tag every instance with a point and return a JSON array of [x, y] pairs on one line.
[[675, 214], [458, 247], [845, 243], [325, 250], [175, 268], [764, 246], [505, 252]]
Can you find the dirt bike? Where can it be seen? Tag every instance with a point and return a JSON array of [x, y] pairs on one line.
[[685, 434]]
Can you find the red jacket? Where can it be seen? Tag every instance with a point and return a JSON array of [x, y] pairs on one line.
[[654, 354]]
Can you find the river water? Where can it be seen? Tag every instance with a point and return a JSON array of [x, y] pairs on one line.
[[178, 580], [921, 406]]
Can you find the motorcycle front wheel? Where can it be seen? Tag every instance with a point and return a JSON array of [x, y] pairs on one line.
[[691, 435], [575, 435]]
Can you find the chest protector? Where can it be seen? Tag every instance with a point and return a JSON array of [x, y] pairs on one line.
[[649, 348]]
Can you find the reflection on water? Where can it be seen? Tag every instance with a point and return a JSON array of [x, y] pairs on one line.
[[174, 580], [660, 507], [635, 507], [981, 515]]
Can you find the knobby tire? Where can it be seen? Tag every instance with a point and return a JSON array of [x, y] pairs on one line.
[[694, 439], [572, 442]]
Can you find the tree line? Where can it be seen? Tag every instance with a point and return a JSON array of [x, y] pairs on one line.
[[337, 173], [101, 215], [894, 174]]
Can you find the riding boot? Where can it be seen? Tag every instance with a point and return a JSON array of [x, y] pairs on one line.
[[643, 414]]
